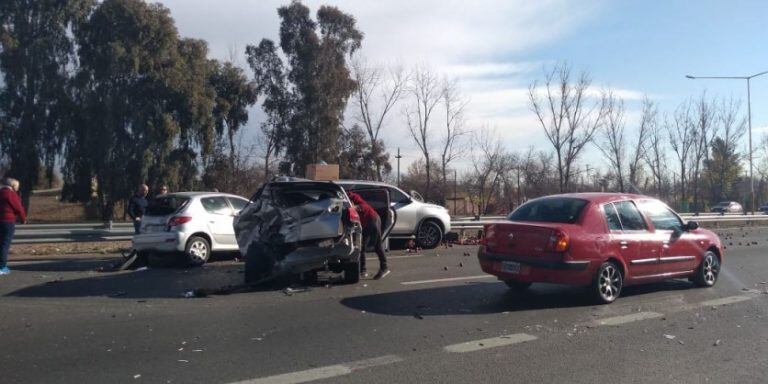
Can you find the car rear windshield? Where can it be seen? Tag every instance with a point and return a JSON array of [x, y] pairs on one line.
[[300, 195], [166, 205], [554, 210]]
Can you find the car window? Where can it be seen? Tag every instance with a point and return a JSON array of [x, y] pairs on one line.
[[630, 217], [216, 205], [550, 210], [612, 217], [661, 216], [166, 205], [396, 196], [237, 204]]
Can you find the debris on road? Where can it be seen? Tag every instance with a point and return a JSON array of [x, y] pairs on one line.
[[118, 294], [669, 337], [290, 291], [717, 342], [136, 376], [418, 316]]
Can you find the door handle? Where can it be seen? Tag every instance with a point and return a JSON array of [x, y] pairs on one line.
[[624, 244]]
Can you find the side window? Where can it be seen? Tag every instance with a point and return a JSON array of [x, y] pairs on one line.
[[216, 205], [662, 217], [396, 196], [630, 217], [612, 217], [237, 204]]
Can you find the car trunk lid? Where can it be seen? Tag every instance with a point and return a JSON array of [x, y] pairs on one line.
[[518, 238]]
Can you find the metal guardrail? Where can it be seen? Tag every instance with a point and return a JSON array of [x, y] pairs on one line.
[[122, 231]]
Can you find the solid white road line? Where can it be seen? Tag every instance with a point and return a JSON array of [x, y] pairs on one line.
[[323, 372], [493, 342], [631, 318], [448, 279]]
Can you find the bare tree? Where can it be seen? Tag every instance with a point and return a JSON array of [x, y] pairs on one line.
[[648, 120], [612, 141], [705, 131], [654, 152], [425, 91], [378, 91], [682, 139], [488, 164], [454, 105], [567, 115]]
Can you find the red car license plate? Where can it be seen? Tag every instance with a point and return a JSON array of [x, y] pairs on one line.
[[510, 267]]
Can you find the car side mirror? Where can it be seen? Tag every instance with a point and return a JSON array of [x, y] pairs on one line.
[[691, 225]]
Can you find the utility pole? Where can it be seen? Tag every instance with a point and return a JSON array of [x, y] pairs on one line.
[[398, 157], [455, 186], [519, 200]]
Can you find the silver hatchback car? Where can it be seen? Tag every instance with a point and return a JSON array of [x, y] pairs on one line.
[[194, 223]]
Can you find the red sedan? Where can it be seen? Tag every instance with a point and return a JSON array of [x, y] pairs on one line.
[[601, 240]]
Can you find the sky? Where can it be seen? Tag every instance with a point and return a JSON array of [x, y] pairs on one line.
[[496, 49]]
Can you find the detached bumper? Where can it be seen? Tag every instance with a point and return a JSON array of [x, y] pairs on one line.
[[160, 241], [533, 270]]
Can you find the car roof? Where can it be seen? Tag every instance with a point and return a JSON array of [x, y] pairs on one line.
[[201, 194], [371, 182], [601, 197]]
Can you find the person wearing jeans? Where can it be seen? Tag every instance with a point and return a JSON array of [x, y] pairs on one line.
[[137, 205], [371, 234], [11, 210]]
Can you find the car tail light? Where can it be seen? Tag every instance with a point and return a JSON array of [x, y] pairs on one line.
[[352, 214], [559, 242], [178, 220], [489, 236]]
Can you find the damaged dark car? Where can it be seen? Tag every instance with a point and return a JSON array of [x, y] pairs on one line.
[[296, 228]]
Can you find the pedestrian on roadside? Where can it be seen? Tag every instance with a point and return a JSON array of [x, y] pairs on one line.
[[11, 210], [137, 205], [371, 235], [162, 190]]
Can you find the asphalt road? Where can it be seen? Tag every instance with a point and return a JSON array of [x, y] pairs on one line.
[[435, 319]]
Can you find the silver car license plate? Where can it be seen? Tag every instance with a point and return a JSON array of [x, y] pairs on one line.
[[510, 267]]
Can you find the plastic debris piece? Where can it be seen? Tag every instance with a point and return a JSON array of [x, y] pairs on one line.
[[136, 376], [669, 337], [717, 342]]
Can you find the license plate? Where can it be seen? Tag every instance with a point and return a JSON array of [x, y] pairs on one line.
[[510, 267]]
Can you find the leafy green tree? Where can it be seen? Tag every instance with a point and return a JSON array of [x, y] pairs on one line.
[[234, 94], [317, 82], [36, 54], [722, 169], [358, 159], [146, 101]]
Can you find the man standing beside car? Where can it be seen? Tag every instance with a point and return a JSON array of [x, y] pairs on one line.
[[137, 205], [371, 233]]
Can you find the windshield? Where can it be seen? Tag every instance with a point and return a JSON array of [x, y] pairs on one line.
[[553, 210], [166, 205]]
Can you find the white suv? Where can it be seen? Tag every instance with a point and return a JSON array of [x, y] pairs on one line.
[[425, 222], [195, 223]]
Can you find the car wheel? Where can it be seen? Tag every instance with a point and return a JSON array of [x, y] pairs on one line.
[[429, 235], [708, 270], [198, 250], [607, 284], [518, 286]]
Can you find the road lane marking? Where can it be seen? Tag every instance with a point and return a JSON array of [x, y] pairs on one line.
[[624, 319], [493, 342], [448, 279], [326, 372], [724, 301]]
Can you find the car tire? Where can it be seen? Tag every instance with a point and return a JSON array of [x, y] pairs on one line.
[[607, 284], [707, 272], [429, 235], [518, 286], [198, 251], [352, 272]]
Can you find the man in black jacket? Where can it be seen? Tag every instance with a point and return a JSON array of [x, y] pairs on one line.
[[137, 205]]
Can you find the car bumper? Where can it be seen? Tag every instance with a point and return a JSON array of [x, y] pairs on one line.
[[160, 241], [574, 272]]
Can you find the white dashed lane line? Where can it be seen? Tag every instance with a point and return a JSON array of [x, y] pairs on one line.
[[478, 277], [326, 372], [493, 342]]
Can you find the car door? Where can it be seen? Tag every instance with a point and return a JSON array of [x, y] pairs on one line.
[[407, 212], [220, 219], [237, 203], [677, 248], [631, 238], [379, 199]]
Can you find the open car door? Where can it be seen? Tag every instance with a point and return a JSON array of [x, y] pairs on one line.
[[378, 198]]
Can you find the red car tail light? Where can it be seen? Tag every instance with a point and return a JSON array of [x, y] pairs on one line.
[[559, 241], [352, 214], [178, 220], [489, 236]]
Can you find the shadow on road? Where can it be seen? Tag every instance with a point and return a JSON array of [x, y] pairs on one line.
[[488, 298]]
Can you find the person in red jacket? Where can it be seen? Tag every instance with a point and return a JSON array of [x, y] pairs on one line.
[[11, 210], [371, 234]]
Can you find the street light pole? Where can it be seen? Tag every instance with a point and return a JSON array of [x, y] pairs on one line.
[[749, 122], [398, 157]]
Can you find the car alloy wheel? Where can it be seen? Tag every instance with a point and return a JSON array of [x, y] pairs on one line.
[[706, 274], [608, 283], [429, 235], [198, 251]]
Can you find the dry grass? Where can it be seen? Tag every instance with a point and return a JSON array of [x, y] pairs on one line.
[[45, 208], [59, 249]]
